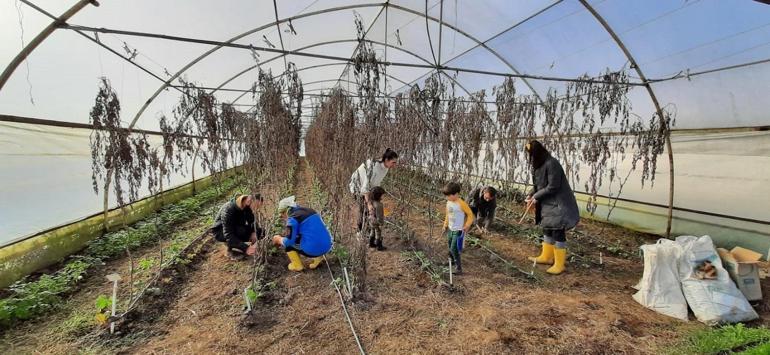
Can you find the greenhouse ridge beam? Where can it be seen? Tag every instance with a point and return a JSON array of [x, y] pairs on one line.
[[709, 71], [252, 67], [111, 50], [92, 39], [385, 36], [341, 59], [352, 55], [244, 34], [440, 29], [654, 99], [483, 45], [530, 17]]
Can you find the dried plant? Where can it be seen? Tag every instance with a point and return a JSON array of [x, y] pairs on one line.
[[118, 158]]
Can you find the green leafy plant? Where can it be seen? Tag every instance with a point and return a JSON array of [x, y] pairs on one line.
[[102, 303], [27, 299], [146, 264], [435, 272], [342, 254], [253, 295], [726, 340]]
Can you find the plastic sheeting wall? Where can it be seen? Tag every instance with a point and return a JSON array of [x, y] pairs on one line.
[[44, 171], [718, 173], [45, 178]]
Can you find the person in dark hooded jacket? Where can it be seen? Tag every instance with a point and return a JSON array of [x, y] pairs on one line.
[[556, 209], [483, 203], [235, 224]]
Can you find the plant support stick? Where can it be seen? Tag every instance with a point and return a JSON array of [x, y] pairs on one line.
[[114, 278]]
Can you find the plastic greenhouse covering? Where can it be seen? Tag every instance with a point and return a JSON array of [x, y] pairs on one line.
[[697, 61]]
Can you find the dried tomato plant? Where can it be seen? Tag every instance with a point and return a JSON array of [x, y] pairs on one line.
[[588, 125], [119, 159]]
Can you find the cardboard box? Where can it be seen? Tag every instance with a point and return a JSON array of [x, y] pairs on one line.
[[741, 264]]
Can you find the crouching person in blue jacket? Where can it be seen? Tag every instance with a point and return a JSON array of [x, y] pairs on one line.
[[305, 234]]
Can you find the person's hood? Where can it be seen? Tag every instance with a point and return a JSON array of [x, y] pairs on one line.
[[287, 203], [239, 200]]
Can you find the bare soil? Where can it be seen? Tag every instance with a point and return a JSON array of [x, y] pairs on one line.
[[491, 308]]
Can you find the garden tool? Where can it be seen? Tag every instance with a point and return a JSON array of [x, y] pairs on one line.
[[529, 206]]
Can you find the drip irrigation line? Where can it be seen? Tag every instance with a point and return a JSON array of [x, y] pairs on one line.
[[345, 309], [472, 239], [339, 292], [154, 280], [430, 270], [576, 254]]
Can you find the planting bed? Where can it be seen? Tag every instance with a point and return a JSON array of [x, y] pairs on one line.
[[501, 304]]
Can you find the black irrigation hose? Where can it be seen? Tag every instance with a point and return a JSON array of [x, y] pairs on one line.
[[345, 308], [573, 254], [510, 264], [618, 250], [135, 301], [339, 292]]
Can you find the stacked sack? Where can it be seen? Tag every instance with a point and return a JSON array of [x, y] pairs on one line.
[[688, 271]]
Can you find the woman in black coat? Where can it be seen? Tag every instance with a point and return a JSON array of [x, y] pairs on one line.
[[556, 209]]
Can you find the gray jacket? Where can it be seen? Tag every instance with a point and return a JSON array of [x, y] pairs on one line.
[[556, 206]]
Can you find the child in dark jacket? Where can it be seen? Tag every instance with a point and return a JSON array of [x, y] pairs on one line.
[[377, 219], [483, 203]]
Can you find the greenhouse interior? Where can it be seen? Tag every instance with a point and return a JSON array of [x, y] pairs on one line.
[[397, 176]]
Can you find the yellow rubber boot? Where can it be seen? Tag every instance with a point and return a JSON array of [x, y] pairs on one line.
[[560, 259], [545, 257], [315, 262], [296, 262]]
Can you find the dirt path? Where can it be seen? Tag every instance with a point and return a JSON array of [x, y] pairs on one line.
[[300, 315], [585, 310], [489, 309]]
